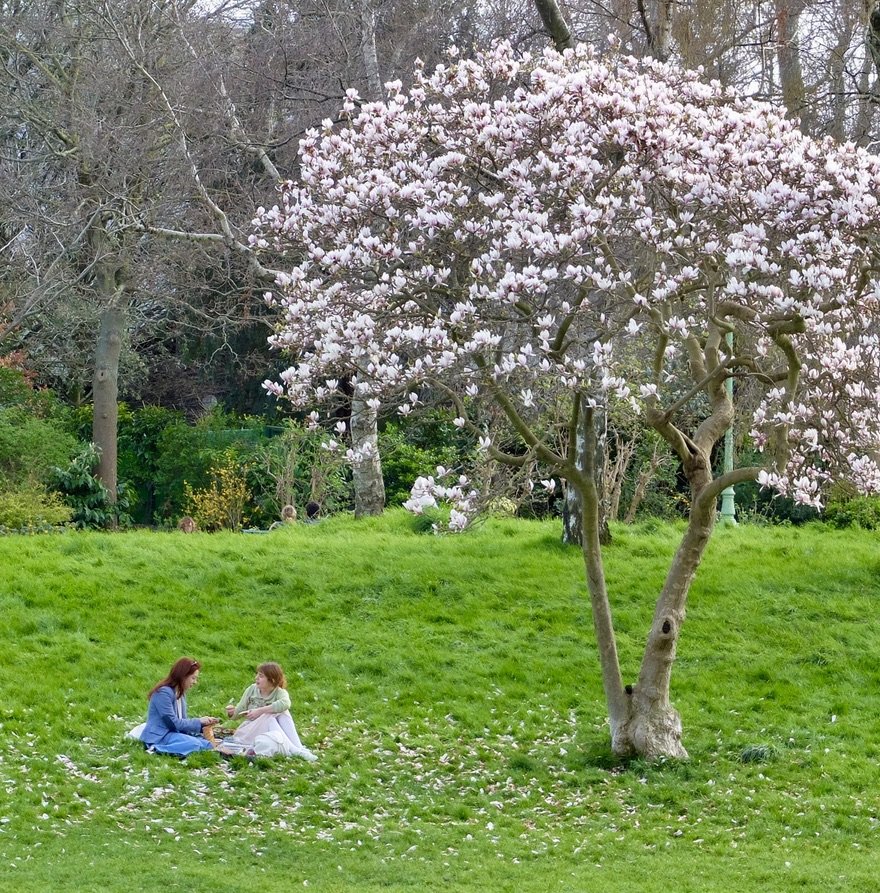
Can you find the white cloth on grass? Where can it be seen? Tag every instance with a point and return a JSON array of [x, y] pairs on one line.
[[273, 734], [135, 733]]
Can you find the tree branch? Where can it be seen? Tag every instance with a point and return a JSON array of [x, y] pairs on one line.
[[555, 23]]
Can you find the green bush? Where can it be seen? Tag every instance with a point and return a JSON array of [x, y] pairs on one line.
[[856, 511], [16, 391], [221, 505], [293, 468], [87, 497], [32, 507], [140, 433], [14, 388], [185, 454], [404, 460], [30, 447]]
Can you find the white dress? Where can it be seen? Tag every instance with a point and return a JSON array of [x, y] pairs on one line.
[[269, 735]]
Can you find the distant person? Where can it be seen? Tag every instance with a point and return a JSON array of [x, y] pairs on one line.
[[187, 525], [288, 516], [266, 706], [312, 512], [168, 729]]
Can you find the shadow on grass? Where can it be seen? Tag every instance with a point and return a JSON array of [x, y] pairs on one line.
[[596, 756]]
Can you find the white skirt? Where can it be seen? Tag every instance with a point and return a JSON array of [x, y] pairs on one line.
[[272, 734]]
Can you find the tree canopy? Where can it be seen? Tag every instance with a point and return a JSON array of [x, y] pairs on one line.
[[516, 225], [567, 231]]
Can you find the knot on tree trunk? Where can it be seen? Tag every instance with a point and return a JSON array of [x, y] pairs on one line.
[[667, 630]]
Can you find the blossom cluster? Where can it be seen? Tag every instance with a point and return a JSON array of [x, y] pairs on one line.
[[456, 495], [524, 228]]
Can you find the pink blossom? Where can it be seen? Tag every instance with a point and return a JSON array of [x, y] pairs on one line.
[[524, 227]]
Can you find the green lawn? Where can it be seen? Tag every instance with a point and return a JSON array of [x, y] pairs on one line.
[[451, 689]]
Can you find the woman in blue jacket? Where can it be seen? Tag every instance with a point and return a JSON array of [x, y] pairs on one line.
[[168, 729]]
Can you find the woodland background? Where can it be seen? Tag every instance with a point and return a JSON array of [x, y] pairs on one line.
[[137, 141]]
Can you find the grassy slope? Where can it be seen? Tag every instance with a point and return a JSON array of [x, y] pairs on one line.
[[451, 688]]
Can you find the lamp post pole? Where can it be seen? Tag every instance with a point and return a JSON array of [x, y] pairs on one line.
[[728, 499]]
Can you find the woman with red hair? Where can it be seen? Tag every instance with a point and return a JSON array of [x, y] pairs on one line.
[[168, 729]]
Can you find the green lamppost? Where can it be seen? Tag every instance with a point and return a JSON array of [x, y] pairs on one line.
[[728, 504]]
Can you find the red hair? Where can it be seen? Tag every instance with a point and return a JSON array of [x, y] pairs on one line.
[[274, 674], [183, 668]]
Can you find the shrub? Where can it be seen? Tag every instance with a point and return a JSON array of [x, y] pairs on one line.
[[221, 504], [87, 496], [754, 503], [17, 391], [14, 388], [403, 460], [292, 468], [186, 455], [140, 433], [855, 511], [31, 447], [32, 507]]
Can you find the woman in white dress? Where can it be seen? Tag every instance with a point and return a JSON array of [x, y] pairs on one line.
[[268, 728]]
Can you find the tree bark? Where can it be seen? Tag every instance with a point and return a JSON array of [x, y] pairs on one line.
[[873, 37], [658, 28], [554, 22], [369, 488], [655, 725], [614, 475], [368, 50], [788, 57], [105, 394], [108, 285], [572, 504], [644, 478], [616, 696], [862, 126]]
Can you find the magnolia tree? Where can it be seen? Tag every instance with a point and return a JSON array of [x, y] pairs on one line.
[[570, 231]]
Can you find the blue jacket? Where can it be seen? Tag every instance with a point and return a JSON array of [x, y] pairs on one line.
[[162, 718]]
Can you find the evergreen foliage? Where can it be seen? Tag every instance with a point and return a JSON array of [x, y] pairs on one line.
[[87, 496]]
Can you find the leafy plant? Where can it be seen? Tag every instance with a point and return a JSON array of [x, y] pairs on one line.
[[31, 506], [87, 496], [404, 460], [293, 468], [221, 504], [140, 433], [30, 447], [856, 511]]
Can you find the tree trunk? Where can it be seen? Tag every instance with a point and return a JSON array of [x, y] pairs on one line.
[[788, 57], [872, 37], [615, 475], [572, 511], [105, 394], [657, 24], [654, 728], [616, 696], [837, 75], [862, 126], [368, 50], [646, 474], [369, 488], [554, 22]]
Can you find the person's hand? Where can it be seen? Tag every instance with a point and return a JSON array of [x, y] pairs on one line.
[[230, 709], [256, 712], [208, 720]]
